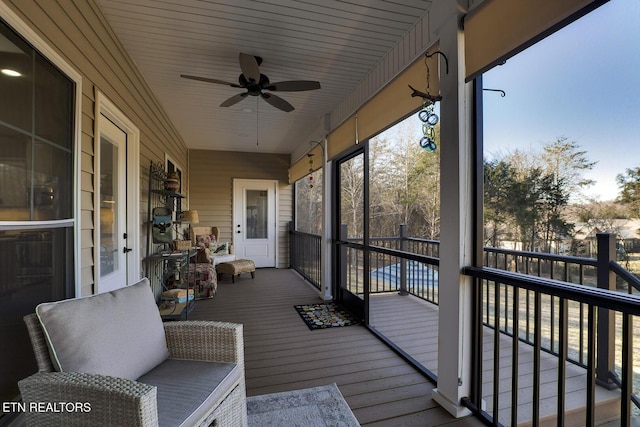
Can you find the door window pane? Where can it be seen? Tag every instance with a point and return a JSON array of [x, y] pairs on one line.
[[257, 214], [108, 207]]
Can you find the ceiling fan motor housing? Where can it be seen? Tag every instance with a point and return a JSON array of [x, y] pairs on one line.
[[254, 88]]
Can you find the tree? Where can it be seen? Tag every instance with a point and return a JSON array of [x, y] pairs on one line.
[[527, 195], [564, 160], [499, 181], [352, 196], [629, 184]]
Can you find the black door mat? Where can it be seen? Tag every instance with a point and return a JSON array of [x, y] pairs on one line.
[[325, 315]]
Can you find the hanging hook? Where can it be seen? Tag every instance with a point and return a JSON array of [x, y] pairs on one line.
[[446, 61], [500, 91]]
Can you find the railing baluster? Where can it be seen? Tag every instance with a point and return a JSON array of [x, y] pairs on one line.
[[591, 366], [496, 351], [515, 344], [552, 340], [537, 324], [562, 357], [627, 370], [581, 335], [506, 312], [528, 313], [581, 330]]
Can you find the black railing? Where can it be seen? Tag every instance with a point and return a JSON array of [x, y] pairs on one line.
[[304, 255], [524, 291], [558, 325], [405, 265]]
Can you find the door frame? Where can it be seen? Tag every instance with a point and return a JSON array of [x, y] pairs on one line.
[[356, 305], [103, 106], [267, 183]]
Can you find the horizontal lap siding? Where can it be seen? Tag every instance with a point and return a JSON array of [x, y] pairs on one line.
[[211, 175], [78, 32]]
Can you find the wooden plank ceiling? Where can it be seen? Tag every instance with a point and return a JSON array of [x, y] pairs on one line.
[[334, 42]]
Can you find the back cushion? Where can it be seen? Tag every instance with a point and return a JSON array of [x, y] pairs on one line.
[[118, 333]]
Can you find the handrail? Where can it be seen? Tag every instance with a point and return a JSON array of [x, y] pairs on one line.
[[625, 275], [543, 255]]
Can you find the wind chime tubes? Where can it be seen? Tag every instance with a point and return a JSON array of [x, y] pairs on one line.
[[310, 156]]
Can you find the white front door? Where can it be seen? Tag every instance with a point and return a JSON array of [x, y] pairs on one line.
[[112, 209], [254, 221]]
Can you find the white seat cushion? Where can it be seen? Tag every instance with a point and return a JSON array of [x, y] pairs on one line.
[[217, 259]]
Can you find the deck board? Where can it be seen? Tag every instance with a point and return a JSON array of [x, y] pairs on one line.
[[282, 354], [412, 314]]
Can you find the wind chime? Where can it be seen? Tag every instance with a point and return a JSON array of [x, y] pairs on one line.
[[310, 156], [427, 115]]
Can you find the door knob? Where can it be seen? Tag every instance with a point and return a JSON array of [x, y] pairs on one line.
[[126, 249]]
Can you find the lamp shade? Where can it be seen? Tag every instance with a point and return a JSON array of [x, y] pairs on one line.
[[190, 217]]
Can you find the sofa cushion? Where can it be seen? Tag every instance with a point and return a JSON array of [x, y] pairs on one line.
[[118, 333], [188, 389]]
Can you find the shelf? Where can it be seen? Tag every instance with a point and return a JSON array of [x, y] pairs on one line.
[[173, 255], [165, 268], [175, 311], [168, 193]]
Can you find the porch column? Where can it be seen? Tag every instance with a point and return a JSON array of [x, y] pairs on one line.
[[326, 291], [456, 216]]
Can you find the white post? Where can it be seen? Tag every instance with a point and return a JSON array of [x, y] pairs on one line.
[[456, 230], [325, 257]]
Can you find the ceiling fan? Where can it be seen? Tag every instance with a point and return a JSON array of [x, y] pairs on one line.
[[255, 83]]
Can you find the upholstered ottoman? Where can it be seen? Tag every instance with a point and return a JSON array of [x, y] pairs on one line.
[[234, 268]]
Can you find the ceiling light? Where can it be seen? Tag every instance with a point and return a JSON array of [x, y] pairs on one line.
[[10, 72], [247, 110]]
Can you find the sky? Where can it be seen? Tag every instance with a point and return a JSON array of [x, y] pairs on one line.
[[582, 83]]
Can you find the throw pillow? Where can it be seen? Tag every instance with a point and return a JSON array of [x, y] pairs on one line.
[[219, 248], [205, 240]]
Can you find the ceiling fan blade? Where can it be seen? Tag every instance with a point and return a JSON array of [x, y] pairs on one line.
[[234, 99], [208, 80], [294, 86], [249, 67], [277, 102]]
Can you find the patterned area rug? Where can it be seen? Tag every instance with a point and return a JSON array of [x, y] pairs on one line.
[[325, 315], [311, 407]]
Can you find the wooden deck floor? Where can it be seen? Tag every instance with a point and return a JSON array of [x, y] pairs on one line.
[[282, 354], [399, 317]]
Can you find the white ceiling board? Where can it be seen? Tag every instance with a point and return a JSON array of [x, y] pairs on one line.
[[337, 43]]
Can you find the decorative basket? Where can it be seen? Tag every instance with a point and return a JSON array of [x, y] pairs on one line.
[[182, 245]]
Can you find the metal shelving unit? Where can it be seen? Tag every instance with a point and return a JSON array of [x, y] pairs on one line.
[[165, 267]]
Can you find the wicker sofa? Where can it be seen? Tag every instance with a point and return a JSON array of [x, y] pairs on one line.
[[113, 358]]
